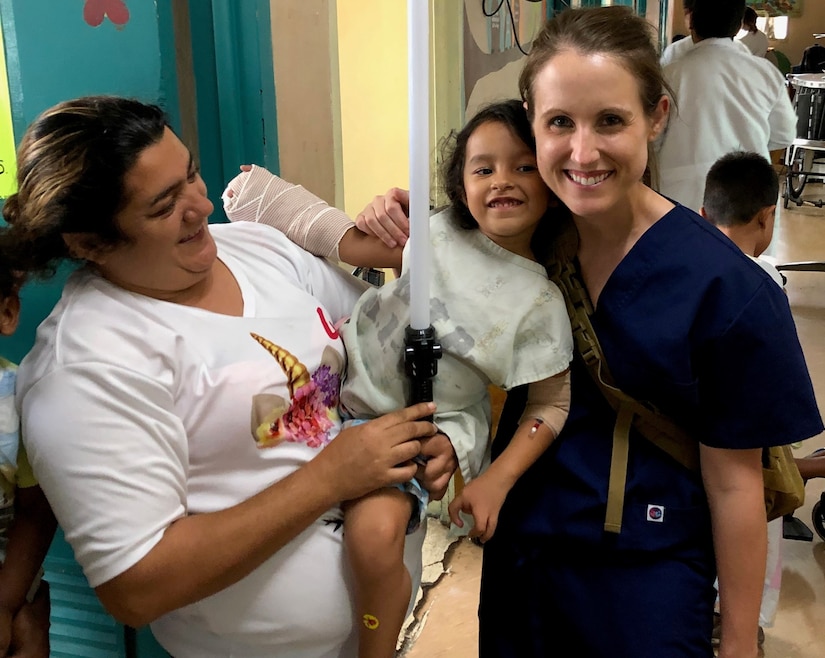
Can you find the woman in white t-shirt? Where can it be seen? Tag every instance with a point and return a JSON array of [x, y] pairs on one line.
[[137, 396]]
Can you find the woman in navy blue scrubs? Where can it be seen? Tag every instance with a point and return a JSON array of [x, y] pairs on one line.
[[685, 321]]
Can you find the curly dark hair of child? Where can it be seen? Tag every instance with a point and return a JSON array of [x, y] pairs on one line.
[[509, 113]]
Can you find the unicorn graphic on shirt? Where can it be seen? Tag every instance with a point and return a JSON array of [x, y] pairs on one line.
[[311, 410]]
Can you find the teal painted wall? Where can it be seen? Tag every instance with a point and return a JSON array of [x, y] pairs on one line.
[[52, 54], [234, 77]]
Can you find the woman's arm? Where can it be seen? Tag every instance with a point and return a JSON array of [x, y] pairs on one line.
[[202, 554], [735, 490], [116, 471]]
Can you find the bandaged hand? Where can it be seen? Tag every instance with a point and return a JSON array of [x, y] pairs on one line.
[[257, 195]]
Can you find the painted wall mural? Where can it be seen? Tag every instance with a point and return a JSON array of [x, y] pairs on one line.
[[791, 8], [95, 11], [495, 32]]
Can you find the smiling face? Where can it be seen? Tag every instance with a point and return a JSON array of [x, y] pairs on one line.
[[170, 250], [504, 191], [592, 132]]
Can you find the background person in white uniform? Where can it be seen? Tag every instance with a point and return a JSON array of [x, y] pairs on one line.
[[726, 100], [678, 47], [755, 39]]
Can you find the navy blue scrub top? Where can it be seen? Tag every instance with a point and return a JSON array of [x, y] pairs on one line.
[[689, 323]]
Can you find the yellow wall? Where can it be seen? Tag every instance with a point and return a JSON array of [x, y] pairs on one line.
[[678, 24], [8, 160], [351, 91], [372, 58]]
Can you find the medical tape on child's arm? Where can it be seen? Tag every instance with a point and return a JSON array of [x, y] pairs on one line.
[[548, 400], [307, 220]]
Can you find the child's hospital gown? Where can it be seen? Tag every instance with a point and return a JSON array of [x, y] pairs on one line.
[[497, 317]]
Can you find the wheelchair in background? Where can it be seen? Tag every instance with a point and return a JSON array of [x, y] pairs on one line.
[[807, 152]]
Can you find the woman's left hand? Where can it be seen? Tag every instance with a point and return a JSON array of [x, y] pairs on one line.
[[435, 474]]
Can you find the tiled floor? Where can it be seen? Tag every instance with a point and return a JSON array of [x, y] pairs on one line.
[[446, 622]]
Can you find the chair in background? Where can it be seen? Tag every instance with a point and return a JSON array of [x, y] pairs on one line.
[[805, 157]]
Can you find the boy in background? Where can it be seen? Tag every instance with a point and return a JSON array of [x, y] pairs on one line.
[[741, 189], [27, 524]]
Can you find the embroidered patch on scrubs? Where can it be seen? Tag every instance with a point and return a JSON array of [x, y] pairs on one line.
[[655, 513]]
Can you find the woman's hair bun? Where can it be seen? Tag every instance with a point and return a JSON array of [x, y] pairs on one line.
[[11, 209]]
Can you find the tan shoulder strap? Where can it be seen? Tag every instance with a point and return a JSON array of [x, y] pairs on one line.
[[654, 426]]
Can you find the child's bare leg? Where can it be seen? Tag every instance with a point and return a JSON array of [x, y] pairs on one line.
[[374, 531]]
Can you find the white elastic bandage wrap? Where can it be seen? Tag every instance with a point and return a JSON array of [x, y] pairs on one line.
[[310, 222], [549, 401]]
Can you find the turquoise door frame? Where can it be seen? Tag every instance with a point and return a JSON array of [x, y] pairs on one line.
[[234, 81]]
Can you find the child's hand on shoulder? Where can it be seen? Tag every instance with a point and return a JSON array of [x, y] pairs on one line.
[[387, 217]]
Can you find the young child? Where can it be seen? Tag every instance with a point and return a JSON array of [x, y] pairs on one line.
[[741, 189], [497, 317], [27, 524]]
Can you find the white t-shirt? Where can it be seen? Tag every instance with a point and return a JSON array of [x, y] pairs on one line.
[[756, 42], [728, 100], [680, 48], [676, 50], [137, 412]]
